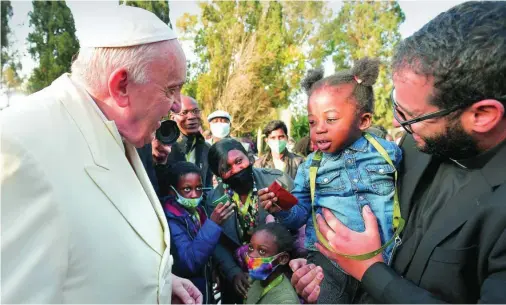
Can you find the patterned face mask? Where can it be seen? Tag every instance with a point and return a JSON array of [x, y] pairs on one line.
[[261, 267], [190, 203]]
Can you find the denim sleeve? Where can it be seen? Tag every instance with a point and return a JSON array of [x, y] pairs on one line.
[[299, 214]]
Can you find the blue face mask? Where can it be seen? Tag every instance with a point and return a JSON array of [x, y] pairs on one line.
[[189, 203]]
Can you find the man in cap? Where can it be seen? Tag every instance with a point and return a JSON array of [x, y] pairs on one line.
[[81, 222], [219, 123]]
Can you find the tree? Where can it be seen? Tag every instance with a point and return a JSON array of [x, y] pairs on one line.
[[251, 56], [366, 28], [160, 8], [300, 127], [11, 80], [6, 14], [52, 42]]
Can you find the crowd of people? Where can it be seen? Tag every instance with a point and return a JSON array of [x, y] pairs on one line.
[[95, 209]]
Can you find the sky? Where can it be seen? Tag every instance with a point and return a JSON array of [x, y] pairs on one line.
[[417, 14]]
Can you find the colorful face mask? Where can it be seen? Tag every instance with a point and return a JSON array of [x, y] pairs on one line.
[[277, 146], [189, 203], [261, 267]]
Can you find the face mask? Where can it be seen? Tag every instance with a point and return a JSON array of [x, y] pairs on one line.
[[220, 130], [242, 182], [261, 267], [277, 146], [189, 203]]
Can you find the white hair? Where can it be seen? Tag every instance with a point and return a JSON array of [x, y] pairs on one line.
[[93, 66]]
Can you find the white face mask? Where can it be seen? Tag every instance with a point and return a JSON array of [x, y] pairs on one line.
[[220, 130], [277, 146]]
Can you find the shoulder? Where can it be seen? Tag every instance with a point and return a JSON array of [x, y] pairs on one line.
[[284, 293], [297, 158]]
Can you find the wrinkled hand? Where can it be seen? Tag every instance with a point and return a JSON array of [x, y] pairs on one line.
[[222, 212], [241, 284], [184, 292], [306, 279], [268, 200], [160, 151], [344, 240]]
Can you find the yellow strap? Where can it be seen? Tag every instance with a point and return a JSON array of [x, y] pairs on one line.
[[243, 208], [398, 221]]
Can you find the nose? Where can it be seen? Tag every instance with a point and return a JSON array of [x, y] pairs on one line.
[[176, 105], [194, 194], [320, 128]]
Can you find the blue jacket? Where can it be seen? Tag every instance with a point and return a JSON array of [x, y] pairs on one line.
[[192, 246], [345, 182]]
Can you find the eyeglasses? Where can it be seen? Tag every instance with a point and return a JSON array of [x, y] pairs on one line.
[[195, 111], [406, 124]]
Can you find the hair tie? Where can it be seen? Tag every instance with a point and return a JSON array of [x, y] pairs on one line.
[[358, 80]]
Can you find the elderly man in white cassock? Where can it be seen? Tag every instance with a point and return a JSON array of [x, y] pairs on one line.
[[80, 220]]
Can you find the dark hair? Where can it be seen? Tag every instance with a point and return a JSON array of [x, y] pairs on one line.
[[464, 49], [284, 239], [218, 155], [363, 74], [274, 125], [169, 175]]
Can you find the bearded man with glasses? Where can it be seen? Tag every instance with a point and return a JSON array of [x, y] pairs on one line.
[[450, 97]]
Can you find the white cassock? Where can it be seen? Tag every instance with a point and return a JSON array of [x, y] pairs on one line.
[[79, 223]]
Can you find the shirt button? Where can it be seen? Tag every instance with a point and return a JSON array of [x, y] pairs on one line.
[[355, 180], [381, 171], [360, 198], [326, 180], [350, 161]]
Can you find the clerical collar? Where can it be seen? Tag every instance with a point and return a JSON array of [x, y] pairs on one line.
[[480, 160]]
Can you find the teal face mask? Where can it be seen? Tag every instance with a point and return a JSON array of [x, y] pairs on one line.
[[189, 203]]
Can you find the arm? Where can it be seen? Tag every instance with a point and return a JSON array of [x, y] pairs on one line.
[[34, 245], [226, 262], [300, 213], [194, 254]]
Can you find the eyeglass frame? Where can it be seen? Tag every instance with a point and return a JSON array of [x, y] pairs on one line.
[[194, 111], [433, 115]]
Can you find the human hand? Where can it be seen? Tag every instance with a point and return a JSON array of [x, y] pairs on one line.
[[241, 284], [222, 212], [160, 151], [268, 200], [306, 279], [344, 240], [184, 292]]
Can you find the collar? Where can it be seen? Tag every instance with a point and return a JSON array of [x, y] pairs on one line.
[[359, 145], [111, 125], [480, 160]]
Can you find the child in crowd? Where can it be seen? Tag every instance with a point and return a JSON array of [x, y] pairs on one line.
[[269, 252], [351, 174], [193, 235]]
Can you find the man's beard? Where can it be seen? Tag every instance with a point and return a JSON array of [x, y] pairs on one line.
[[455, 144]]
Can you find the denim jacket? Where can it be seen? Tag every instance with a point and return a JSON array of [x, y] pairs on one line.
[[345, 182]]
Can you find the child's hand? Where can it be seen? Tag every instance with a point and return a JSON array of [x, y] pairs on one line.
[[268, 200], [222, 212], [241, 284]]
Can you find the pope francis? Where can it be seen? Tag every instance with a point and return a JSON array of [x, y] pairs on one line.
[[80, 220]]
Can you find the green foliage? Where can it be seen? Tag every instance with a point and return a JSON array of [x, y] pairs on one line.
[[6, 14], [300, 127], [365, 28], [160, 8], [52, 42], [251, 56]]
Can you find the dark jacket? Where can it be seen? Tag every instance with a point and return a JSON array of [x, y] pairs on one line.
[[146, 155], [177, 153], [192, 247], [230, 240], [291, 160], [462, 256]]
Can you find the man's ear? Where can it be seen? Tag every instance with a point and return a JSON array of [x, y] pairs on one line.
[[484, 116], [365, 121], [118, 87], [284, 259]]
